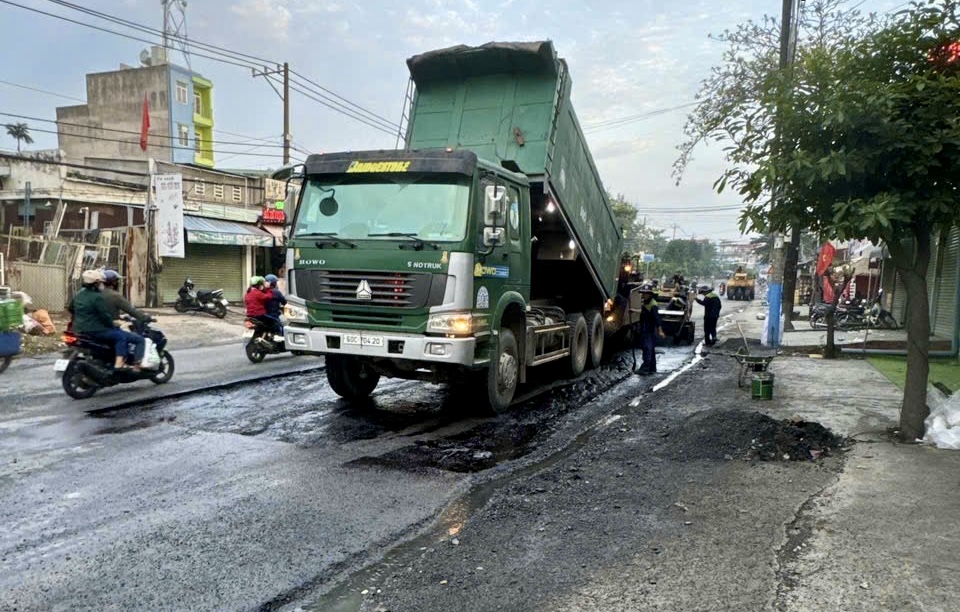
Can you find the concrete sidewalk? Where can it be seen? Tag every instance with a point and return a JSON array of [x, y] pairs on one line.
[[882, 536]]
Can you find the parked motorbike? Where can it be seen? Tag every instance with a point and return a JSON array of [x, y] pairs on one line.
[[262, 341], [87, 365], [191, 300], [853, 315]]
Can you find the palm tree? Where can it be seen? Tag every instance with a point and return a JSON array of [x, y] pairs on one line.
[[20, 132]]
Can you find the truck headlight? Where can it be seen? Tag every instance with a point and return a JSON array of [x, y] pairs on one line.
[[454, 323], [296, 312]]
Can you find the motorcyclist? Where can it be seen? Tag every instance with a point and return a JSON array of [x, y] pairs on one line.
[[93, 317], [256, 300], [277, 302], [711, 314], [117, 304]]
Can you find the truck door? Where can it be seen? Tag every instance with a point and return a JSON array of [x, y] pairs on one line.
[[518, 255], [506, 266]]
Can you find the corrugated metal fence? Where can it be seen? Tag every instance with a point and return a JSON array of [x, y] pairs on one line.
[[45, 283]]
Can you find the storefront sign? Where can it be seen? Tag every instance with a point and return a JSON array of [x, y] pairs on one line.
[[205, 237], [274, 190], [168, 216], [273, 216]]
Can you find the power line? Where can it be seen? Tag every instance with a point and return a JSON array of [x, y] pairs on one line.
[[236, 58], [132, 132], [388, 122], [161, 146], [699, 209], [155, 31], [52, 162], [621, 121], [43, 91], [359, 118], [53, 93], [114, 32]]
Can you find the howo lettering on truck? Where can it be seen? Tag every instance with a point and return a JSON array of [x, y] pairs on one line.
[[485, 247]]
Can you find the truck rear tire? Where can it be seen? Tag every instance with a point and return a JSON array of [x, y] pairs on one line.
[[595, 338], [350, 378], [504, 372], [579, 345]]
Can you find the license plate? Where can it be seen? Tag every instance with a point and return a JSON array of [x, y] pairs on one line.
[[60, 365], [225, 302], [248, 333], [360, 340]]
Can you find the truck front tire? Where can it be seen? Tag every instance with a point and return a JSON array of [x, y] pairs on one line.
[[594, 338], [504, 372], [350, 378]]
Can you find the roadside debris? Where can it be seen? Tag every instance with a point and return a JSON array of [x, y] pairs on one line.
[[753, 436]]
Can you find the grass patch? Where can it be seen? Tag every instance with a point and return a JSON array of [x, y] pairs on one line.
[[946, 371]]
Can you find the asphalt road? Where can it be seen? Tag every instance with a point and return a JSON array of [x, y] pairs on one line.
[[247, 497]]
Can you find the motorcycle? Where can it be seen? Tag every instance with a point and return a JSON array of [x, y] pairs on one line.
[[190, 300], [87, 365], [262, 341], [852, 315], [872, 315]]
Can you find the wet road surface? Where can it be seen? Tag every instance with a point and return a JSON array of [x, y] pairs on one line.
[[252, 496]]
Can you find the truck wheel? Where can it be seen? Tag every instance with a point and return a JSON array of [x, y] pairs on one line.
[[504, 372], [579, 346], [594, 338], [350, 378]]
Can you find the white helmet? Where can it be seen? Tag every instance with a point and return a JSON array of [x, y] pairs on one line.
[[91, 277]]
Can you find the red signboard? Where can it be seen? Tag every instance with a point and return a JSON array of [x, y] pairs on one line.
[[273, 216]]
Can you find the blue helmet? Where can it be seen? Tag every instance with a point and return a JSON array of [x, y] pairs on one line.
[[271, 278]]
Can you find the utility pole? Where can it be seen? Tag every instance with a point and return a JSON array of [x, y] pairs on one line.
[[286, 113], [775, 280], [285, 97], [150, 220], [674, 232]]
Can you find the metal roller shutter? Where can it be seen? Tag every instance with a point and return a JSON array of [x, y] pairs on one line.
[[210, 266], [899, 306], [946, 305]]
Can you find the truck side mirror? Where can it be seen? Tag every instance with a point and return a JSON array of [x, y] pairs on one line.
[[492, 236], [494, 205]]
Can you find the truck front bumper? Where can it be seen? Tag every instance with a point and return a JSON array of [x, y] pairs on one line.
[[414, 347]]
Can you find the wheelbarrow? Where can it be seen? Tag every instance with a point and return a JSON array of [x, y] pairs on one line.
[[750, 365]]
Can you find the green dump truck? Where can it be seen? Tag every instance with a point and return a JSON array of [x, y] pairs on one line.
[[484, 248]]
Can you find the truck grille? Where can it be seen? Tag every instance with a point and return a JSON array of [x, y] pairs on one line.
[[375, 289]]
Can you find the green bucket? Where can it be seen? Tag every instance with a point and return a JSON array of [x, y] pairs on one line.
[[762, 387]]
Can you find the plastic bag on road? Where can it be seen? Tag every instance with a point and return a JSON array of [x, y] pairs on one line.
[[943, 424]]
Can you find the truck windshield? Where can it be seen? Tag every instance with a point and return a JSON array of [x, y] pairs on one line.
[[427, 207]]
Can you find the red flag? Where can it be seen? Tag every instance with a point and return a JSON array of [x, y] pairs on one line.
[[827, 291], [144, 124], [825, 258]]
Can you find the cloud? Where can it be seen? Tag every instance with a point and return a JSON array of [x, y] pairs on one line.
[[270, 18]]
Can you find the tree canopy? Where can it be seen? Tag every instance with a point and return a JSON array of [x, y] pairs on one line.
[[19, 132], [859, 138]]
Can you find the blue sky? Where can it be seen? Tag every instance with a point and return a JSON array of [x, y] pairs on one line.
[[626, 57]]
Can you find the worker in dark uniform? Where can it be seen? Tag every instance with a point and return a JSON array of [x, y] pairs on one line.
[[711, 314], [650, 328]]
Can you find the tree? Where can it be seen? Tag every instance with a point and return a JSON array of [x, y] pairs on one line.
[[869, 139], [19, 132], [735, 106]]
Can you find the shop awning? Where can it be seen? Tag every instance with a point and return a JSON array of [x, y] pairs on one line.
[[201, 230], [277, 232]]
